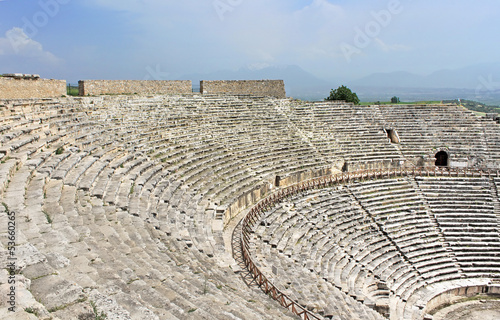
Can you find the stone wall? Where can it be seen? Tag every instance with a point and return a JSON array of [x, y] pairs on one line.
[[261, 191], [30, 87], [457, 294], [272, 88], [98, 87]]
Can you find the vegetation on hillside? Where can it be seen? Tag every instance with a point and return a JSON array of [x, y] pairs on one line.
[[344, 94], [475, 106], [401, 102]]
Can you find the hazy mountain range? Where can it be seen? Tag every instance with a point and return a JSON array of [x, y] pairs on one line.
[[479, 81], [470, 77]]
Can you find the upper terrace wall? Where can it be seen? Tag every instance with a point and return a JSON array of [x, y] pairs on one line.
[[98, 87], [30, 86], [272, 88]]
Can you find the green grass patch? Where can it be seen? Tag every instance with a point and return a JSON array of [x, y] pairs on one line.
[[72, 91], [7, 158], [475, 106], [98, 315], [480, 114], [47, 216], [32, 311]]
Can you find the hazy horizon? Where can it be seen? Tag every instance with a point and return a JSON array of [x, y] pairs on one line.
[[332, 40]]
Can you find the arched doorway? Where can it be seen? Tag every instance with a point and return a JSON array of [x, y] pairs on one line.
[[345, 167], [277, 181], [442, 159]]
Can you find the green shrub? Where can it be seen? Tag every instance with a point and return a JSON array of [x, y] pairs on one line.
[[344, 94]]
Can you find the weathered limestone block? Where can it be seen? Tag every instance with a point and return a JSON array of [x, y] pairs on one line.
[[98, 87], [271, 88], [56, 293], [32, 87]]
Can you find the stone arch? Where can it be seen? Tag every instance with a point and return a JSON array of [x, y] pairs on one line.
[[442, 159], [345, 167]]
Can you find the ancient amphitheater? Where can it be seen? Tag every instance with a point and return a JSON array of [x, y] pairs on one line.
[[200, 206]]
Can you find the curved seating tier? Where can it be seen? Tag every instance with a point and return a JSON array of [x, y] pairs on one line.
[[385, 244], [425, 129], [120, 201], [118, 210], [336, 132]]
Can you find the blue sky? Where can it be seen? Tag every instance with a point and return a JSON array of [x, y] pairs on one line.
[[139, 39]]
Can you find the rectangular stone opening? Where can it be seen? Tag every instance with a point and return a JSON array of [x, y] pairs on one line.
[[392, 135]]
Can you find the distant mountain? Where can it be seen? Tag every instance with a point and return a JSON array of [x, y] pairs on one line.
[[298, 82], [472, 77], [399, 79], [479, 82]]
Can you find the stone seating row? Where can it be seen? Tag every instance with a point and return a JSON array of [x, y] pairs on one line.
[[67, 247], [416, 126], [110, 193], [468, 222], [402, 213], [331, 263], [400, 241], [350, 141], [84, 179]]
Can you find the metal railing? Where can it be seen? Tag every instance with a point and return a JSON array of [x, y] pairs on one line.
[[260, 207]]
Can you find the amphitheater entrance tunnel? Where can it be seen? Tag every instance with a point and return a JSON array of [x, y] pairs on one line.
[[442, 159]]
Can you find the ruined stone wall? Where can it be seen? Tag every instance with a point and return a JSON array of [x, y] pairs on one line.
[[98, 87], [261, 191], [20, 88], [271, 88], [456, 294]]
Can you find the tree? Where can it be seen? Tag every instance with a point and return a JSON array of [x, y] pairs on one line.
[[394, 99], [343, 93]]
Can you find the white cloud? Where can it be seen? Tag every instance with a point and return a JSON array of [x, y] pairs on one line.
[[17, 43]]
